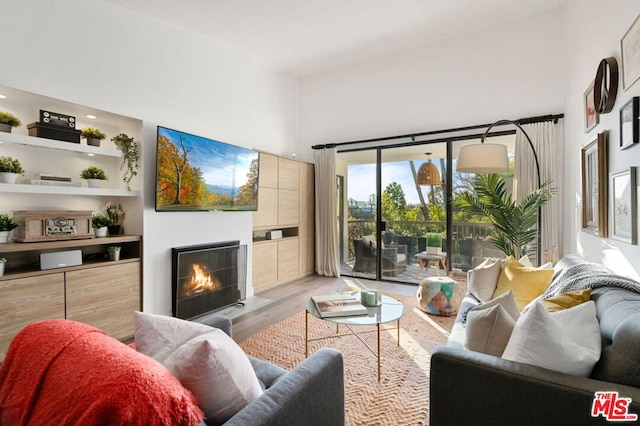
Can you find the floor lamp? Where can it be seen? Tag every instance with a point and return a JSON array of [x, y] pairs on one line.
[[493, 158]]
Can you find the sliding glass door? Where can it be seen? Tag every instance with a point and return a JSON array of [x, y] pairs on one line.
[[400, 218]]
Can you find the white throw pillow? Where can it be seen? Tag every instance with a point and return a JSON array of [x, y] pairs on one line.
[[527, 262], [483, 279], [489, 325], [205, 360], [488, 330], [566, 341]]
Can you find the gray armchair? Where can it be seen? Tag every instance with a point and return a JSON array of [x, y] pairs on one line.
[[310, 394], [394, 257]]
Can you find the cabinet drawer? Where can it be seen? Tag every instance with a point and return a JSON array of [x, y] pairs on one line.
[[27, 300], [105, 297]]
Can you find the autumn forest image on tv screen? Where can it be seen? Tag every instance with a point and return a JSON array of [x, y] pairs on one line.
[[194, 173]]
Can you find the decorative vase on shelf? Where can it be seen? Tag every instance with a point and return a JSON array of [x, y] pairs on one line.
[[4, 237], [93, 141], [4, 127], [2, 268], [93, 183], [114, 255], [114, 229], [6, 177], [101, 232]]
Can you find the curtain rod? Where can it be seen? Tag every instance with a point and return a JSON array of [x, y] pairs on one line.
[[528, 120]]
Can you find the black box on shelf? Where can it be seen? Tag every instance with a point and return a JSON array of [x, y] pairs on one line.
[[49, 131]]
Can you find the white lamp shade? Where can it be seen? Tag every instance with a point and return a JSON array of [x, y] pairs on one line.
[[483, 158]]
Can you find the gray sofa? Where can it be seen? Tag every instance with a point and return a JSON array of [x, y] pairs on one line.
[[310, 394], [473, 388]]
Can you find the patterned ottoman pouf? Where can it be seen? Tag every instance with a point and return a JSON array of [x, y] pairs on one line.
[[439, 296]]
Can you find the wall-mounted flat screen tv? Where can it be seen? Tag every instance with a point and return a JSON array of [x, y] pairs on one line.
[[194, 173]]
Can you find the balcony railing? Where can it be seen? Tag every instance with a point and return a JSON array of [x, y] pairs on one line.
[[470, 239]]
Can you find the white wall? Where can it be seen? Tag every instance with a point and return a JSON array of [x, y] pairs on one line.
[[103, 56], [592, 31], [509, 71]]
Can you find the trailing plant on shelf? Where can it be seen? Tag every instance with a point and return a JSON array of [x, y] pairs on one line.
[[113, 248], [7, 223], [93, 172], [3, 260], [10, 119], [92, 132], [99, 221], [10, 165], [130, 157]]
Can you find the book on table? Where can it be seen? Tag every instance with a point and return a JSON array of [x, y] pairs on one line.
[[338, 305]]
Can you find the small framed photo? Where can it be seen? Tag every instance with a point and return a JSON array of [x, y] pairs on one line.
[[629, 123], [590, 114], [624, 204], [630, 54]]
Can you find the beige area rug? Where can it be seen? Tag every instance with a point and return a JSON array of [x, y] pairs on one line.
[[402, 395]]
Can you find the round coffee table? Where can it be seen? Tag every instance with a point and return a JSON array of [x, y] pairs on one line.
[[388, 310]]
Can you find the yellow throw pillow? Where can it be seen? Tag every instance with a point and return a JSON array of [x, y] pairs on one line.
[[526, 282], [567, 300]]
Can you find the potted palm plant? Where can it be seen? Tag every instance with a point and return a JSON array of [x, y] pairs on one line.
[[514, 224], [130, 157], [93, 175], [92, 135], [10, 168], [7, 121], [99, 222], [7, 224]]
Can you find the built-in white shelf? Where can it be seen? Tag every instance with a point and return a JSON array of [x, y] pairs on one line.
[[19, 188], [19, 139]]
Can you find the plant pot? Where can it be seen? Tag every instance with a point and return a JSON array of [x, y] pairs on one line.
[[6, 177], [4, 127], [4, 237], [434, 250], [114, 255], [2, 268], [93, 141], [101, 232], [93, 183], [114, 229]]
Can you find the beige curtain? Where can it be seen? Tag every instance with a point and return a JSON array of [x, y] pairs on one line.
[[544, 138], [327, 259]]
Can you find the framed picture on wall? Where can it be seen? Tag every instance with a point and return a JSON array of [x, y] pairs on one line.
[[595, 217], [624, 205], [629, 123], [590, 114], [631, 54]]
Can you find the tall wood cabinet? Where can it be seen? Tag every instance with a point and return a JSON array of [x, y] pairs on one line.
[[286, 203]]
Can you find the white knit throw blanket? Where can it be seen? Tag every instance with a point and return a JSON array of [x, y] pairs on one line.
[[590, 275], [587, 275]]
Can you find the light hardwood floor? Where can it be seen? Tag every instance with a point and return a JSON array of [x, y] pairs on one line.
[[278, 303]]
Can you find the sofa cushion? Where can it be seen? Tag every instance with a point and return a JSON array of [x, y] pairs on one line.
[[63, 372], [566, 341], [526, 282], [205, 360], [483, 279], [618, 311], [566, 300], [489, 325]]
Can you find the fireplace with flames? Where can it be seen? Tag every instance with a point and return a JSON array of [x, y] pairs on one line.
[[207, 277]]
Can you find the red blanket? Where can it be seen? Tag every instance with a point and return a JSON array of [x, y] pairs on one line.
[[60, 372]]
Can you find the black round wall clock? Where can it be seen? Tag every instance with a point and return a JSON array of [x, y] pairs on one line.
[[606, 85]]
